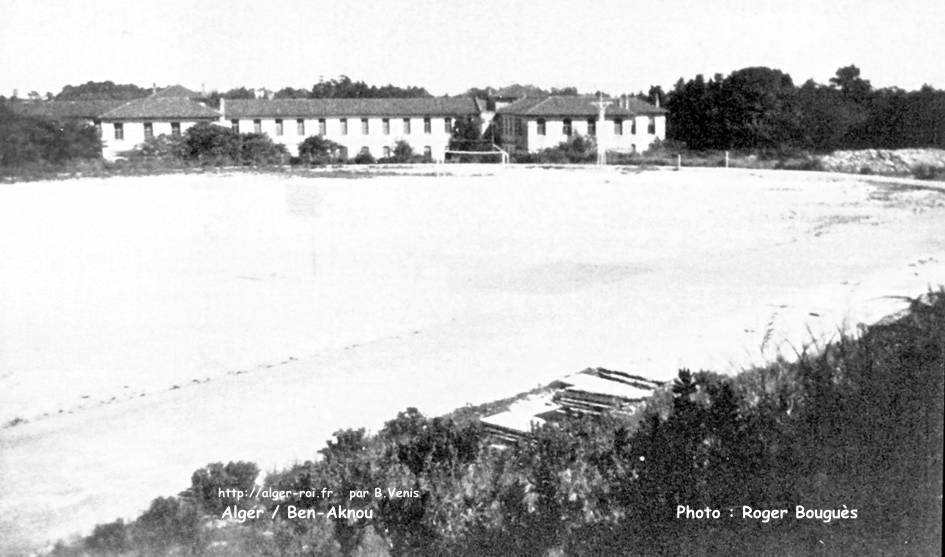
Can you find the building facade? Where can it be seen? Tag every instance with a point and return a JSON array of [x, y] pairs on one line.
[[372, 126], [359, 125], [532, 124]]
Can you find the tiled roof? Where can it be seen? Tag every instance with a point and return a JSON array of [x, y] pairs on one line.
[[578, 106], [176, 91], [394, 107], [161, 108], [88, 110]]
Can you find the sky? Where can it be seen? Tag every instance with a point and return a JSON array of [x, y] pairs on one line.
[[449, 46]]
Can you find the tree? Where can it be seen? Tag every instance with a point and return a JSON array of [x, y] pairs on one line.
[[95, 90], [207, 484], [402, 152], [317, 150]]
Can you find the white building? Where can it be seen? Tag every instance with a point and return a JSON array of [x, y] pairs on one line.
[[167, 112], [359, 125], [533, 124]]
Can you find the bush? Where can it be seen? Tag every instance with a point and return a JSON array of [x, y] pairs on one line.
[[364, 157], [27, 140], [317, 150], [576, 149], [165, 148], [929, 172], [403, 152]]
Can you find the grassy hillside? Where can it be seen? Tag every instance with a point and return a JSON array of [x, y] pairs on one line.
[[713, 465]]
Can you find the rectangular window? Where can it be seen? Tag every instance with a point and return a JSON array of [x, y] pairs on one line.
[[175, 129], [618, 127], [386, 152], [119, 131], [148, 130], [321, 126], [300, 126], [406, 126], [427, 152], [633, 126], [385, 125], [257, 126], [591, 127], [541, 126], [365, 126], [427, 125], [566, 127], [651, 125], [235, 125], [344, 126], [448, 125], [278, 127]]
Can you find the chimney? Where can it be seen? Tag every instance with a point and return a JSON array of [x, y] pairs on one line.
[[222, 110], [153, 88], [657, 97]]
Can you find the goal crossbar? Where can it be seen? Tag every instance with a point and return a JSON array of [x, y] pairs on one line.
[[495, 152]]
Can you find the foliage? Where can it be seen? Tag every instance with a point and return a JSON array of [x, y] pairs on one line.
[[760, 108], [364, 157], [344, 87], [402, 152], [29, 139], [576, 149], [95, 90], [318, 150], [857, 425]]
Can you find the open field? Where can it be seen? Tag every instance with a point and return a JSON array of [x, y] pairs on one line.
[[151, 325]]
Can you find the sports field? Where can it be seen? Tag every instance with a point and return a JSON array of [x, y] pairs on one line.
[[151, 325]]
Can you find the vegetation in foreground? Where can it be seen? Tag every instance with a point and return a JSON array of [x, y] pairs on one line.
[[852, 433]]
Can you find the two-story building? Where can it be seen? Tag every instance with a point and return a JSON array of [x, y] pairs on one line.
[[358, 125], [170, 111], [533, 124]]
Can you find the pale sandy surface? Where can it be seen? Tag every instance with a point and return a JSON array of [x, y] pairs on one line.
[[287, 308]]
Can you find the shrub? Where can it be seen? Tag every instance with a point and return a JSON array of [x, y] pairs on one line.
[[317, 150], [576, 149], [929, 172], [364, 157], [403, 152]]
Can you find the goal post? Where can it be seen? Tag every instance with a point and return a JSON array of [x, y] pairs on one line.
[[486, 156]]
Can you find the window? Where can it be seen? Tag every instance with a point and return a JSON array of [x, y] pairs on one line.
[[386, 152], [365, 126], [448, 125], [427, 152], [566, 127], [235, 125], [175, 129], [148, 130], [633, 126], [321, 126], [344, 126], [651, 125], [257, 126], [427, 125], [278, 127], [119, 131], [300, 126], [591, 127], [618, 127], [385, 126], [406, 126], [541, 126]]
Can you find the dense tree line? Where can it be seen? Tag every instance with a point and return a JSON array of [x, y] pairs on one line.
[[29, 140], [853, 434], [97, 90], [761, 108]]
